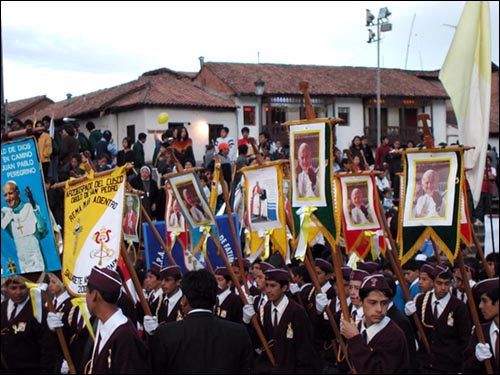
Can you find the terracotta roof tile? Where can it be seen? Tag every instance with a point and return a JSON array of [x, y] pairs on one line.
[[323, 80]]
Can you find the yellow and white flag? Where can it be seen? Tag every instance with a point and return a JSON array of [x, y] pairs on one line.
[[93, 227], [466, 76]]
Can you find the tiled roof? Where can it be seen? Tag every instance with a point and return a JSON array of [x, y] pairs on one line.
[[283, 79], [161, 87], [18, 107]]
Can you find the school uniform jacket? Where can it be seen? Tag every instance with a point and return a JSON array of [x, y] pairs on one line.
[[472, 365]]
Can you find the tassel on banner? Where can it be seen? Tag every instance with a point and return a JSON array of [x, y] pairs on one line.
[[267, 235], [374, 236], [305, 220], [36, 298], [80, 303]]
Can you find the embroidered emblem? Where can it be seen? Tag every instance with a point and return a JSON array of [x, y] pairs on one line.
[[289, 331]]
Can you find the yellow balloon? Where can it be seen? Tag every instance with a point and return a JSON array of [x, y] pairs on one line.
[[163, 118]]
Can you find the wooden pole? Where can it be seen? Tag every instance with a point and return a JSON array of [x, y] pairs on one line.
[[472, 308], [243, 297], [479, 249], [399, 275], [231, 225], [331, 318], [60, 336], [135, 280]]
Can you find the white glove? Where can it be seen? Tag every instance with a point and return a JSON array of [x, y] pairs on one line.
[[54, 320], [250, 299], [150, 324], [64, 367], [248, 313], [483, 352], [294, 288], [410, 308], [321, 301]]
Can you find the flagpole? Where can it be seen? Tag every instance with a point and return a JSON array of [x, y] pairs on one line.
[[244, 299], [135, 280], [473, 309], [328, 311], [231, 225], [60, 336]]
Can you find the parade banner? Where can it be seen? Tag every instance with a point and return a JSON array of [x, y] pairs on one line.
[[312, 193], [131, 218], [182, 256], [175, 224], [431, 201], [362, 229], [93, 210], [465, 224], [28, 241], [265, 211], [194, 206]]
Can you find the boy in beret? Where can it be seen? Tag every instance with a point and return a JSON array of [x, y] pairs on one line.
[[229, 305], [118, 349], [28, 346], [446, 324], [287, 328], [477, 353], [376, 345]]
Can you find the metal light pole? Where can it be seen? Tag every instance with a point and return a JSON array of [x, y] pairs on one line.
[[382, 26], [259, 91]]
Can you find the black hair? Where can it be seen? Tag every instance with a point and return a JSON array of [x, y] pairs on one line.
[[391, 281], [46, 118], [245, 129], [111, 298], [242, 149], [363, 293], [302, 272], [200, 289], [90, 126], [142, 136]]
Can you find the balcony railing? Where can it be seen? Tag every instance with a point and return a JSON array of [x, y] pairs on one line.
[[395, 133]]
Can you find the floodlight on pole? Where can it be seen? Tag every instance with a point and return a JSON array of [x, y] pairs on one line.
[[383, 25]]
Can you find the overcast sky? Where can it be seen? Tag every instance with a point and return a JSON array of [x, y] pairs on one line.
[[54, 48]]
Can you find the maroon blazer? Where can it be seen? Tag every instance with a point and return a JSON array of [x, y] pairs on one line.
[[472, 365], [386, 353], [448, 336]]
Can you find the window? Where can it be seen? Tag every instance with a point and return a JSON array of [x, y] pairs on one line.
[[131, 132], [344, 115], [249, 115], [214, 131], [278, 115]]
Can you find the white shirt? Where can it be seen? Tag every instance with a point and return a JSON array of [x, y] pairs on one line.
[[374, 328], [281, 308], [442, 303], [107, 329], [172, 301]]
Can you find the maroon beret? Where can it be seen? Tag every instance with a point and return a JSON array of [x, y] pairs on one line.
[[358, 275], [484, 286], [246, 263], [105, 281], [369, 266], [374, 282], [264, 266], [442, 272], [323, 265], [277, 274], [346, 272], [155, 269], [222, 271], [170, 271], [427, 268]]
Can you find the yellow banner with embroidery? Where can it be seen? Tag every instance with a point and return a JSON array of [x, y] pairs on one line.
[[93, 226], [265, 207], [36, 298]]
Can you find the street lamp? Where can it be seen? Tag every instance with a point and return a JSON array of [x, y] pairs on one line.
[[259, 91], [383, 25]]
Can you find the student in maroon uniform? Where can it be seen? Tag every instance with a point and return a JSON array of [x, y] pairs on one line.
[[477, 353], [118, 349], [377, 345]]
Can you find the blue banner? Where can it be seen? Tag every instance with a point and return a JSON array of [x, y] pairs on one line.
[[28, 242], [183, 258]]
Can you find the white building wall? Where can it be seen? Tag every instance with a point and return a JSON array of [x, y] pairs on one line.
[[345, 133]]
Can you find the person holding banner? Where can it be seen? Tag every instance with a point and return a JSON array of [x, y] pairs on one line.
[[25, 223], [28, 346]]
